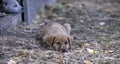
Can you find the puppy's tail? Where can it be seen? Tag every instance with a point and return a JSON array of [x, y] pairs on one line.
[[67, 27]]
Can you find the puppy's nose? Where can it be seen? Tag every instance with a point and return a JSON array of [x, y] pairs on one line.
[[22, 9], [63, 50], [69, 47]]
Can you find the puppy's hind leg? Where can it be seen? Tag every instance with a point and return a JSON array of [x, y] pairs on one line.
[[67, 27]]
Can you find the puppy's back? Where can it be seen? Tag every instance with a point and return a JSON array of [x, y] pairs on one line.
[[54, 28]]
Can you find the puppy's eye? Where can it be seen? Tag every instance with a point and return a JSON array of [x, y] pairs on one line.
[[58, 43], [5, 3], [15, 5], [66, 42]]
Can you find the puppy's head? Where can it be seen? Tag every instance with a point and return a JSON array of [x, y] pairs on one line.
[[60, 42], [11, 6]]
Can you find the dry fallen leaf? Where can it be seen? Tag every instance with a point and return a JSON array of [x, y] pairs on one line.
[[69, 5], [107, 51], [11, 61], [0, 61], [60, 18], [88, 62], [59, 60], [82, 21], [102, 23], [91, 51], [109, 9], [87, 44], [59, 6]]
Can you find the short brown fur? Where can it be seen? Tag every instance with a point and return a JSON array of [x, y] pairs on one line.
[[58, 36]]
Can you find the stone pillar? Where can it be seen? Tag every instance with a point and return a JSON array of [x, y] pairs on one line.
[[33, 7]]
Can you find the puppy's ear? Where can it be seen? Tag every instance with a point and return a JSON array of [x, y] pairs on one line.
[[67, 27], [49, 40], [70, 39]]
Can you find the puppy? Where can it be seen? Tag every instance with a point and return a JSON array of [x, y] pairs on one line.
[[58, 36]]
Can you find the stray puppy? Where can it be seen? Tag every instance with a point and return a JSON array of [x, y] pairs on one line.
[[58, 36]]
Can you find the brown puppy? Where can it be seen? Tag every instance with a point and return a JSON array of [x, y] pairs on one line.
[[58, 36]]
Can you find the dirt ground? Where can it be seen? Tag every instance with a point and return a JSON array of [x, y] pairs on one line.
[[95, 27]]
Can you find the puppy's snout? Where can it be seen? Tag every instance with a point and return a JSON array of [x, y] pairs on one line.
[[22, 9], [69, 47], [63, 50]]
